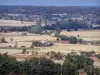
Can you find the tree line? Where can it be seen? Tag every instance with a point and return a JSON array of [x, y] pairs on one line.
[[74, 64]]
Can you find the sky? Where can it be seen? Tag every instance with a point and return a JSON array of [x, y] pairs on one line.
[[51, 2]]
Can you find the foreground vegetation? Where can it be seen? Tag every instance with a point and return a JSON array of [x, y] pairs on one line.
[[74, 64]]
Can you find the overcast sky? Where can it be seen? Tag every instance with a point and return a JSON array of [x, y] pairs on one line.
[[52, 2]]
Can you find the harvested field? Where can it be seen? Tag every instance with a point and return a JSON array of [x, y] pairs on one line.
[[61, 46], [15, 23], [27, 40], [88, 35]]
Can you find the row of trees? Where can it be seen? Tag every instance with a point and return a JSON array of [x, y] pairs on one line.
[[73, 65], [7, 28], [68, 25], [36, 66], [72, 39], [60, 25]]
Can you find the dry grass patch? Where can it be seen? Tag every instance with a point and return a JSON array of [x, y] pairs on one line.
[[88, 35]]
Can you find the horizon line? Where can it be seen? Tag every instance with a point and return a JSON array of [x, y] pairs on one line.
[[57, 5]]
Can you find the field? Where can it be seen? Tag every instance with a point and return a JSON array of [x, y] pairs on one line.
[[27, 40], [15, 23], [62, 47], [88, 35]]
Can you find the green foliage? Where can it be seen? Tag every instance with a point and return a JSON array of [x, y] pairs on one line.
[[57, 69], [79, 60], [56, 55], [91, 70], [41, 44], [63, 37], [74, 62], [88, 54], [39, 66], [57, 32], [69, 68], [42, 66], [7, 64], [70, 24], [24, 51], [35, 66], [80, 41], [72, 40], [36, 28]]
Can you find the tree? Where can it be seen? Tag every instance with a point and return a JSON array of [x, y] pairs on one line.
[[36, 28], [18, 68], [3, 40], [70, 24], [42, 66], [69, 68], [63, 37], [39, 66], [57, 31], [24, 51], [91, 70], [7, 64], [79, 41], [80, 61], [57, 69], [72, 40], [16, 44], [56, 55]]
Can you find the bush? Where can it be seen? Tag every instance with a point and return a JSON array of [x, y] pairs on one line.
[[72, 40], [10, 46], [40, 44], [24, 51], [80, 61], [3, 40], [56, 55], [63, 37], [51, 44]]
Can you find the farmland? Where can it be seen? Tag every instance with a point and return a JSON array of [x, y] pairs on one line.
[[88, 35], [49, 40], [15, 23], [27, 41], [64, 48]]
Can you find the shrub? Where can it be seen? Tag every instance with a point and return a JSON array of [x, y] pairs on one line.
[[41, 44], [72, 40], [24, 51], [63, 37], [3, 40]]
